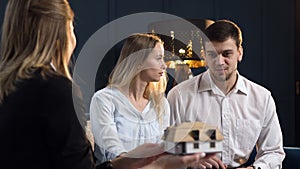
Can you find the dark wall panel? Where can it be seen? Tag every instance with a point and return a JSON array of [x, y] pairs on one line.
[[127, 7], [90, 15], [247, 14], [2, 10], [278, 44], [191, 9]]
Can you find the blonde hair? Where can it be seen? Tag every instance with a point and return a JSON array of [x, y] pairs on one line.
[[136, 49], [35, 33]]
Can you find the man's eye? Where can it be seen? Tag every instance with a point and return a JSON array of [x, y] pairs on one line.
[[212, 55], [227, 54]]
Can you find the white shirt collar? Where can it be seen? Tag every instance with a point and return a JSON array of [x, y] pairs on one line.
[[207, 84], [53, 67]]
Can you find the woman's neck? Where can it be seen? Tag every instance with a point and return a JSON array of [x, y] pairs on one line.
[[137, 90], [135, 94]]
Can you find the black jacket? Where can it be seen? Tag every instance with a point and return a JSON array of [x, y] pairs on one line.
[[39, 127]]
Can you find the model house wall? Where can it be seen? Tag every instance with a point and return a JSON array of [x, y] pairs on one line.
[[192, 137]]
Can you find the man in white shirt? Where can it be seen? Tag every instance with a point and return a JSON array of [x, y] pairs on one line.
[[245, 112]]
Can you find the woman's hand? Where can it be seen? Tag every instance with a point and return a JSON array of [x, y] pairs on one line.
[[170, 161], [152, 156]]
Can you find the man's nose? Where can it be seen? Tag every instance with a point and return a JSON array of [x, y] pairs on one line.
[[220, 59]]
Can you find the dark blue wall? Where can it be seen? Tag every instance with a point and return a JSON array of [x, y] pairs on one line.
[[268, 27]]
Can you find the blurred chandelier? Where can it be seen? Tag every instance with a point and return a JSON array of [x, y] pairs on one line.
[[186, 55], [183, 51]]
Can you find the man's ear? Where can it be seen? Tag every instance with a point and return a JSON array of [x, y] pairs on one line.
[[240, 52]]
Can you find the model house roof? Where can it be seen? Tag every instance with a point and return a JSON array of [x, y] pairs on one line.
[[192, 131]]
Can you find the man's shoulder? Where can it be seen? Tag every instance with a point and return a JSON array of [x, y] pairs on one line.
[[254, 86], [189, 85], [192, 82]]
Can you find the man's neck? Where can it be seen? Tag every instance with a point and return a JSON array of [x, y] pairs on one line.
[[227, 85]]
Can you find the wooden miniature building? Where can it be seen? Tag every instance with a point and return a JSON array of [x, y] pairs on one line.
[[192, 137]]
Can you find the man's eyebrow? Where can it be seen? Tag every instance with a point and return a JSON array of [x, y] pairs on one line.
[[228, 50]]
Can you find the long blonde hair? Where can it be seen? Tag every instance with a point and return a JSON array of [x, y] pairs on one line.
[[35, 33], [136, 49]]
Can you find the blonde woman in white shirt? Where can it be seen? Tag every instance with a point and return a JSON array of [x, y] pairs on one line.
[[132, 109]]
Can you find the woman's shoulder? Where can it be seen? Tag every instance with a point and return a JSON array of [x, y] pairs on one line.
[[38, 80], [108, 95], [107, 91], [41, 90], [52, 82], [57, 81], [49, 84]]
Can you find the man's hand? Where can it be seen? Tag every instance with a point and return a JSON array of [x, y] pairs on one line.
[[211, 161], [246, 168]]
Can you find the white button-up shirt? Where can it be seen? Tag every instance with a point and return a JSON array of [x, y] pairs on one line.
[[246, 116], [119, 127]]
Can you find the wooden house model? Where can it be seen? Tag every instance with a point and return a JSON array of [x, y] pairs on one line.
[[192, 137]]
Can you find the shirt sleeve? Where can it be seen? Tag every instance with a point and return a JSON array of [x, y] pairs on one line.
[[166, 120], [176, 111], [270, 153], [104, 127]]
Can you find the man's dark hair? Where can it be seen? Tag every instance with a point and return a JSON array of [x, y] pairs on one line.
[[221, 30]]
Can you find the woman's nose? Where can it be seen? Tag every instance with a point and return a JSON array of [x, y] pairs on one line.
[[164, 66]]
